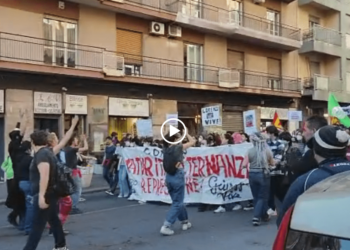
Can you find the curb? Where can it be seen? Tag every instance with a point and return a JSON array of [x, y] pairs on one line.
[[86, 191]]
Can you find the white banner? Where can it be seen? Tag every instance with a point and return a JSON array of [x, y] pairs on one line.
[[214, 175]]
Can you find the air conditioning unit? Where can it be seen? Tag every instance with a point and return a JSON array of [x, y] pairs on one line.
[[157, 28], [274, 84], [258, 1], [113, 65], [229, 78], [174, 31], [132, 70]]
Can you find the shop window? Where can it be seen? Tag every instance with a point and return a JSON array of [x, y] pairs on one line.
[[47, 123], [60, 46], [122, 125]]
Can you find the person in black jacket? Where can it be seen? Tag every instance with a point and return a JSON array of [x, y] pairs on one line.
[[307, 162]]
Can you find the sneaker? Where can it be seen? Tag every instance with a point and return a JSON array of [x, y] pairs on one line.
[[167, 231], [256, 222], [82, 199], [248, 207], [220, 210], [109, 192], [76, 211], [237, 207], [271, 212], [120, 196], [186, 226], [61, 248]]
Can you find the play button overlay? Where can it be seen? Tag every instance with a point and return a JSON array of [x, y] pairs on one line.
[[173, 130]]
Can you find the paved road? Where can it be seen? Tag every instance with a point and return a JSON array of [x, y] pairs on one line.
[[110, 223]]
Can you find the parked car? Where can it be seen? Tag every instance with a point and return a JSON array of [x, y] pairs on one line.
[[320, 219]]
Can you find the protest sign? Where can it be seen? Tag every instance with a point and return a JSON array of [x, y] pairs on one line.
[[213, 175]]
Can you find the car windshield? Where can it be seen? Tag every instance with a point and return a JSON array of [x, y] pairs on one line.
[[306, 241]]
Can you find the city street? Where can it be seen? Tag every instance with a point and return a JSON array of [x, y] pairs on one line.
[[110, 223]]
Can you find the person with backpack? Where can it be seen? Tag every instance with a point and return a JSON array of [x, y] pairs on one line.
[[173, 156], [48, 186]]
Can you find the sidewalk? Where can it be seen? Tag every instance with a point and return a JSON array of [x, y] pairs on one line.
[[97, 184]]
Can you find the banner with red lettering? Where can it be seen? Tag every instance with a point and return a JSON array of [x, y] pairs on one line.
[[214, 175]]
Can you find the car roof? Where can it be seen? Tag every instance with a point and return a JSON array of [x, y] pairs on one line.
[[323, 209]]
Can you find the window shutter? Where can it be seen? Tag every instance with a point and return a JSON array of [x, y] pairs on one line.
[[129, 45], [274, 67], [232, 121]]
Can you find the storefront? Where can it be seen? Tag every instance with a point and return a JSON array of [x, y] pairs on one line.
[[123, 114], [76, 105], [190, 115], [2, 132], [47, 112], [232, 118]]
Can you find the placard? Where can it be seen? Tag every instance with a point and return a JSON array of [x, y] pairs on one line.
[[128, 107], [214, 175], [211, 116], [47, 103], [295, 116], [2, 102], [249, 120], [76, 104], [172, 122], [144, 128]]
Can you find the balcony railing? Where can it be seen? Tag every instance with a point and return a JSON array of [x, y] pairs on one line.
[[321, 82], [321, 34], [223, 16], [162, 69], [19, 48], [31, 50]]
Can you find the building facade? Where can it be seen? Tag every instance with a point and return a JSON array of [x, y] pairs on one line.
[[116, 61]]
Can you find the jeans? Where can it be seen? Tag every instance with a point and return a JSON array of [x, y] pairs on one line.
[[176, 188], [271, 200], [76, 196], [114, 182], [260, 186], [123, 181], [40, 219], [25, 186], [107, 175]]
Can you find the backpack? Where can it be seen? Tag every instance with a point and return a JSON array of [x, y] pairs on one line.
[[63, 183], [169, 160]]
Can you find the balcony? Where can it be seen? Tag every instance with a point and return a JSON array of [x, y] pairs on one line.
[[237, 25], [175, 71], [30, 54], [322, 40], [336, 5], [212, 19], [319, 87]]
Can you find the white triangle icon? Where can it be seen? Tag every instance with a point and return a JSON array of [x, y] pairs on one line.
[[173, 130]]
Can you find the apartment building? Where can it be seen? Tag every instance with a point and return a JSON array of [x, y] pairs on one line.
[[324, 63], [116, 61]]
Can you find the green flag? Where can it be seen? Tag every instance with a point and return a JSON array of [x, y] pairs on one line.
[[334, 110]]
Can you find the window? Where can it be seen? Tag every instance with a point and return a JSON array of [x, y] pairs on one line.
[[192, 8], [347, 35], [273, 18], [315, 68], [235, 8], [193, 62], [313, 21], [60, 43]]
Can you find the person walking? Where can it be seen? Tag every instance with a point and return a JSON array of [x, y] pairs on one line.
[[44, 198], [173, 157], [260, 158]]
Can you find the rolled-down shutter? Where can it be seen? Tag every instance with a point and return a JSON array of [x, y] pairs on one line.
[[232, 121], [235, 59], [129, 44], [274, 66]]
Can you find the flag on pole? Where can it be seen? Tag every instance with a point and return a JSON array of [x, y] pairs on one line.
[[334, 110], [276, 121]]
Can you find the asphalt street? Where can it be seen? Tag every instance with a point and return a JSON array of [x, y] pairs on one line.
[[110, 223]]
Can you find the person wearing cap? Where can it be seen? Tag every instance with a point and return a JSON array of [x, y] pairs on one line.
[[329, 147]]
